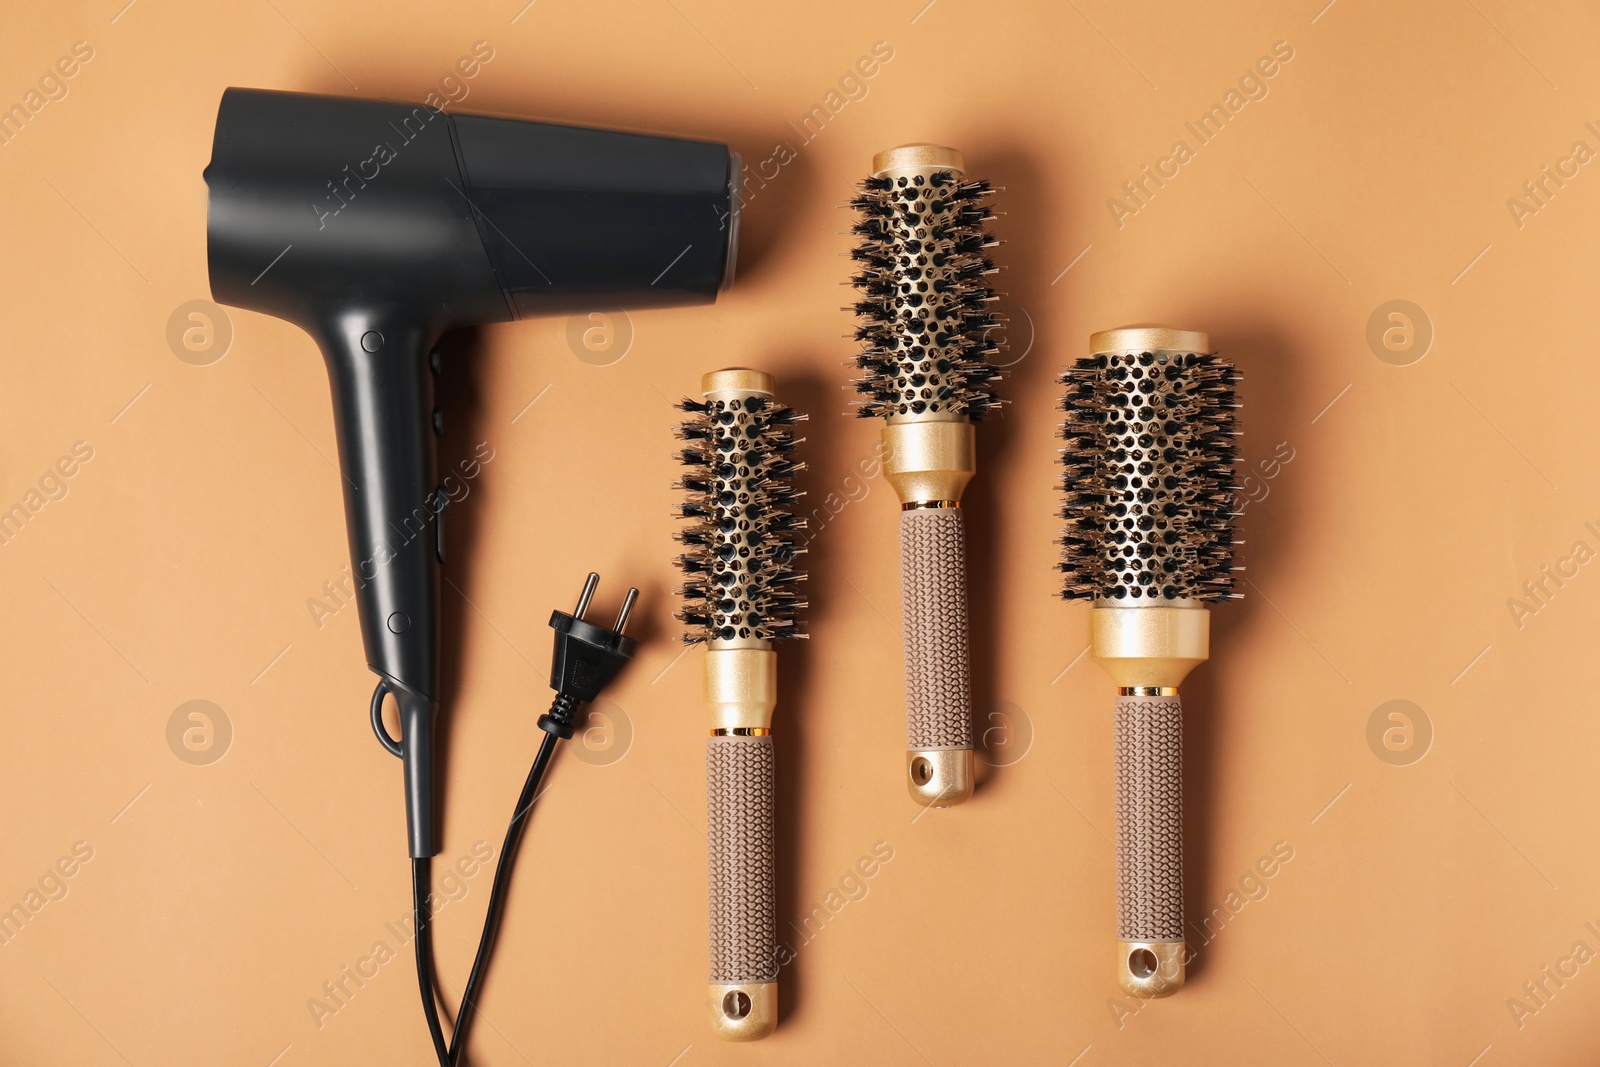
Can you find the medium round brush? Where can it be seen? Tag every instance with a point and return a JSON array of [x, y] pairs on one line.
[[740, 594], [1150, 507], [925, 324]]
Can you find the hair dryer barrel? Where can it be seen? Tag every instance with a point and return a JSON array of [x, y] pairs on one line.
[[575, 219], [324, 202], [376, 226]]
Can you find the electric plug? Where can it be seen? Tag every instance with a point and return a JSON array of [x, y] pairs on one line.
[[586, 658]]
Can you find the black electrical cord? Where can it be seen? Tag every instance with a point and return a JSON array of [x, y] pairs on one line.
[[502, 876], [586, 658], [423, 918], [424, 927], [449, 1057]]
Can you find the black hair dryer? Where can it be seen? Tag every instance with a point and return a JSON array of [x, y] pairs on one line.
[[377, 226]]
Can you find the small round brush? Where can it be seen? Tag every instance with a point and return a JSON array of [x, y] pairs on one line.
[[740, 595], [1150, 506], [925, 325]]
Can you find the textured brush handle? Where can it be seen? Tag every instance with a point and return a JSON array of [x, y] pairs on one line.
[[1149, 777], [933, 578], [741, 841]]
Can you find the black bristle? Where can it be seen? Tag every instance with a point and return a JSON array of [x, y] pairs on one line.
[[923, 317], [1148, 478], [743, 541]]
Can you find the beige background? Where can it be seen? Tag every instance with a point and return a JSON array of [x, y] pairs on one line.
[[178, 567]]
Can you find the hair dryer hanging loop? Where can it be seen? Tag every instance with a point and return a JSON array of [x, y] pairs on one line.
[[395, 748]]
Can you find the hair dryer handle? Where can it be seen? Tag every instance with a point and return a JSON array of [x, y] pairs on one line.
[[378, 367]]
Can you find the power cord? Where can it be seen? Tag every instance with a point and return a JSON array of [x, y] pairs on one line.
[[586, 658]]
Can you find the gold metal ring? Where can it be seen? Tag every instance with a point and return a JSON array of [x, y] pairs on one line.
[[918, 156], [1148, 691], [916, 505], [743, 731], [1148, 337]]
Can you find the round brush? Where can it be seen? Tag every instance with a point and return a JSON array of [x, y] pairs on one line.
[[1149, 509], [925, 322], [740, 595]]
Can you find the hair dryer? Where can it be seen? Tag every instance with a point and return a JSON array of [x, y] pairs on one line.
[[377, 226]]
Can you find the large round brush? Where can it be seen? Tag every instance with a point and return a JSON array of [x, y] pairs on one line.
[[740, 595], [925, 324], [1150, 507]]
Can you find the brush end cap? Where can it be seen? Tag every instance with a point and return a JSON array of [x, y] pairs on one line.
[[939, 777], [1150, 969], [737, 380], [1149, 337], [918, 157], [743, 1011]]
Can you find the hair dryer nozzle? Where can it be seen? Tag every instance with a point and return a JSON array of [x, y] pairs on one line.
[[377, 226], [574, 218]]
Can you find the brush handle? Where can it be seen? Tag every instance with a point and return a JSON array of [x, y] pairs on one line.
[[741, 778], [1149, 785], [933, 579]]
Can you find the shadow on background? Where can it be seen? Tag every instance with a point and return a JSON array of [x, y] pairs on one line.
[[828, 457], [989, 503], [1267, 362], [459, 395]]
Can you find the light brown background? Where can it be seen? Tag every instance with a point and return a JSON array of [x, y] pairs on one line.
[[180, 564]]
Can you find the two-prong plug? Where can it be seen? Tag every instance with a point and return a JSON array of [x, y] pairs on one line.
[[586, 658]]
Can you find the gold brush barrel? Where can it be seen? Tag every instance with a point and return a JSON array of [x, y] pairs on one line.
[[1150, 507], [740, 597], [1148, 650], [929, 457]]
